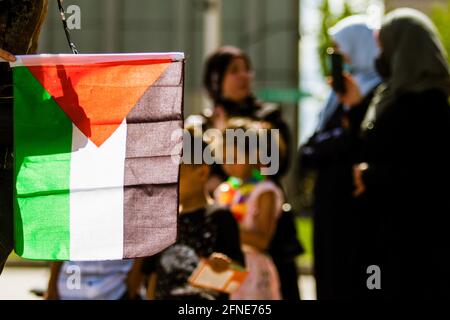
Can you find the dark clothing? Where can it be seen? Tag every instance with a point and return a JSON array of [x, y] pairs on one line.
[[6, 173], [6, 218], [6, 111], [6, 162], [200, 234], [289, 278], [284, 249], [332, 153], [20, 23], [6, 198], [408, 157]]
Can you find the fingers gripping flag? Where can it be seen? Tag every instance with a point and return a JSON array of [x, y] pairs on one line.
[[95, 176]]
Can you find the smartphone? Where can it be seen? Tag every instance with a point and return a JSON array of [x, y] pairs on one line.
[[337, 71]]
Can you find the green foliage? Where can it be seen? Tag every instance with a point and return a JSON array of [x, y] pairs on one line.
[[441, 18], [305, 235], [328, 20]]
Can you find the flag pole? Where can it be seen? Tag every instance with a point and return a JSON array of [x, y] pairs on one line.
[[66, 29]]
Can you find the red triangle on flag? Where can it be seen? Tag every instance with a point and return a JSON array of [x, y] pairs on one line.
[[98, 97]]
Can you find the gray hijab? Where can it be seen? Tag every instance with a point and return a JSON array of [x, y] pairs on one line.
[[410, 43]]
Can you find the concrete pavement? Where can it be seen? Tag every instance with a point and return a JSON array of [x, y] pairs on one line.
[[16, 283]]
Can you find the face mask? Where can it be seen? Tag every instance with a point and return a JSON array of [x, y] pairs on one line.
[[383, 66]]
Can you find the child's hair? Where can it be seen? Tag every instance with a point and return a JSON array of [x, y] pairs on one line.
[[255, 135], [194, 145]]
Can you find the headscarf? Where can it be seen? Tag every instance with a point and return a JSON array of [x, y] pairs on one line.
[[356, 40], [415, 56]]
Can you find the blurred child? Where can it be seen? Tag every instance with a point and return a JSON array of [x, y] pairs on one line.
[[256, 203], [204, 231]]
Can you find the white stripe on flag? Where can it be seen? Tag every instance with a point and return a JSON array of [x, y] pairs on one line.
[[96, 199]]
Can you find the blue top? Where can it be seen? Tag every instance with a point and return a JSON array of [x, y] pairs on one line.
[[93, 280]]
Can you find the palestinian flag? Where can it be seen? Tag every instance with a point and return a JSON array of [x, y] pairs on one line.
[[96, 157]]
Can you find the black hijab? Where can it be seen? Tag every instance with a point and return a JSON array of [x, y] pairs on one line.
[[413, 59]]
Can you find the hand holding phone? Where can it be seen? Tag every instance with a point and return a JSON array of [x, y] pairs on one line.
[[337, 71], [342, 83]]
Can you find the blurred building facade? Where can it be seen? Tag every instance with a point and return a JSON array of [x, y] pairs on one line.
[[266, 29]]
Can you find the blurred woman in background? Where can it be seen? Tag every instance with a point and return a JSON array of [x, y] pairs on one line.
[[228, 78], [330, 152], [405, 140]]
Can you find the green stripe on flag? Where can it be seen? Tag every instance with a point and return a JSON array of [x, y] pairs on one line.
[[43, 145]]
